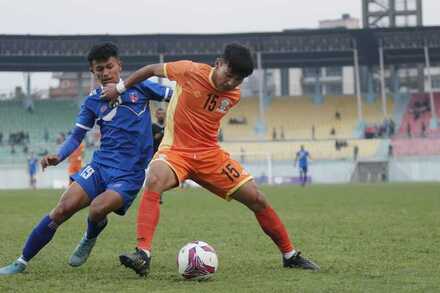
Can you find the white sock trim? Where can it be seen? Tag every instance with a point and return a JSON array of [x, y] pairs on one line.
[[147, 252], [289, 254], [21, 260]]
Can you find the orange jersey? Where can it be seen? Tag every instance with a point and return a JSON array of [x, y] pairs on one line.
[[75, 159], [196, 109]]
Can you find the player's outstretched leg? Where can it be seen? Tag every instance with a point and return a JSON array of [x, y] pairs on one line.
[[271, 224], [147, 220], [159, 179], [86, 244], [100, 207], [72, 201]]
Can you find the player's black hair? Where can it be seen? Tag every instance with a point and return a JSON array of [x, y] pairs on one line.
[[239, 59], [102, 52]]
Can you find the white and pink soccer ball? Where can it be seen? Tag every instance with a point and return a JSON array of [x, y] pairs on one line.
[[197, 260]]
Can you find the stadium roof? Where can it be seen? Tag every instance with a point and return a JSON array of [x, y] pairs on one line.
[[290, 48]]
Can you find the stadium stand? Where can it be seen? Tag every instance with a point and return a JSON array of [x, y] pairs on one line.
[[415, 146], [418, 116], [23, 128], [415, 136], [298, 115]]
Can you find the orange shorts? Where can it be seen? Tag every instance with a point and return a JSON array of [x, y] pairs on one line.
[[214, 169]]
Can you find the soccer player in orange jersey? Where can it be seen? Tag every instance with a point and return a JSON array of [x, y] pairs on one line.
[[189, 149], [75, 161]]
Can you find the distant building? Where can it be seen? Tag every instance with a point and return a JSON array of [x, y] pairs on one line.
[[346, 21], [68, 85]]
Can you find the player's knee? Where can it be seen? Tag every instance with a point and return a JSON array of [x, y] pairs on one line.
[[154, 181], [61, 212], [260, 202], [97, 211]]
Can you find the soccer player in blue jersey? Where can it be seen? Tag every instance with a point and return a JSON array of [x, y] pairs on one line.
[[111, 181], [302, 158], [32, 170]]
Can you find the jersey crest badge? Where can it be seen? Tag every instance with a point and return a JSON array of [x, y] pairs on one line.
[[133, 97], [224, 105]]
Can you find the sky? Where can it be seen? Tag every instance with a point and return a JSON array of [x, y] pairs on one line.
[[54, 17]]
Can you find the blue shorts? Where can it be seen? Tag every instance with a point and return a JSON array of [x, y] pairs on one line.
[[303, 169], [95, 179]]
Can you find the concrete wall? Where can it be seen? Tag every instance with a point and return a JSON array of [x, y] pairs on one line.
[[409, 169]]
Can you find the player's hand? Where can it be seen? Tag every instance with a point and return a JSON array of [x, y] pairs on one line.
[[110, 92], [49, 160], [114, 102]]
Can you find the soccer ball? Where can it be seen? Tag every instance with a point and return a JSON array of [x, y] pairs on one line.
[[197, 260]]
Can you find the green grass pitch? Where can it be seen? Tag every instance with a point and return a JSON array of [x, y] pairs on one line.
[[366, 238]]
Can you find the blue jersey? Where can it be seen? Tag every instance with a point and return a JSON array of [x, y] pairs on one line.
[[32, 165], [303, 157], [126, 138]]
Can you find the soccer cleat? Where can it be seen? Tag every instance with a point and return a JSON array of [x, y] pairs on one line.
[[82, 251], [14, 268], [297, 261], [138, 261]]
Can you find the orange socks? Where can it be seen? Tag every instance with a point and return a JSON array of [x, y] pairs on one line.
[[274, 228], [147, 219], [149, 212]]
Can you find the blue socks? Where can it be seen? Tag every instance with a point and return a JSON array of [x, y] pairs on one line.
[[40, 236], [94, 229], [44, 232]]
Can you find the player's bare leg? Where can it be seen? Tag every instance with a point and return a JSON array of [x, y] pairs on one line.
[[100, 207], [160, 178], [254, 199], [73, 200]]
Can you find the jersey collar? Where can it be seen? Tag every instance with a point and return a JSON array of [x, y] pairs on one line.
[[211, 81]]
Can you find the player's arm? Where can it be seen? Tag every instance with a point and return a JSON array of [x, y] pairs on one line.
[[68, 147], [85, 122], [112, 91], [156, 91]]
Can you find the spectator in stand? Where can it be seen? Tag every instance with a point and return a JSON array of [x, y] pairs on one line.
[[337, 115], [274, 134], [355, 153], [27, 138], [423, 129], [408, 130], [333, 131], [392, 127], [427, 105], [313, 132], [158, 128], [1, 138], [390, 150], [282, 137]]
